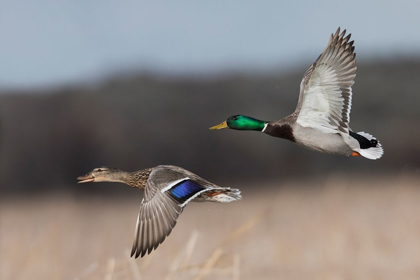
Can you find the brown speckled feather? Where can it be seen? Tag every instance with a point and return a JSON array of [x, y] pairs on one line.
[[167, 190], [138, 179], [159, 211]]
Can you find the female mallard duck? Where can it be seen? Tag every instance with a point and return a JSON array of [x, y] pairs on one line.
[[321, 119], [167, 190]]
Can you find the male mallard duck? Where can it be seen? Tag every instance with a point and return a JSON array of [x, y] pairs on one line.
[[321, 119], [168, 189]]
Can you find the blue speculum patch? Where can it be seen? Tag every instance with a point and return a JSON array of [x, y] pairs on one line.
[[185, 190]]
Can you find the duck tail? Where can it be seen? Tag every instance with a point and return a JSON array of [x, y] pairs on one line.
[[375, 151], [223, 195]]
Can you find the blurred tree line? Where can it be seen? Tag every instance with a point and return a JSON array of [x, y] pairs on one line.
[[49, 138]]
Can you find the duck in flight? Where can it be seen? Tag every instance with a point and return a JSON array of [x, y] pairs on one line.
[[322, 116], [167, 190]]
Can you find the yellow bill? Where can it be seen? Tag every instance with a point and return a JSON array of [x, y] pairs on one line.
[[219, 126]]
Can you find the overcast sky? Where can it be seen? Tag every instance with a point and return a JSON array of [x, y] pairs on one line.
[[50, 42]]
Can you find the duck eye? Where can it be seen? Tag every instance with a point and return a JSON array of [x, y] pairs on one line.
[[234, 118], [98, 170]]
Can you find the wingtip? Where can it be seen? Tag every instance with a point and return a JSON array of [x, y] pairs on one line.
[[142, 254], [347, 39], [338, 31]]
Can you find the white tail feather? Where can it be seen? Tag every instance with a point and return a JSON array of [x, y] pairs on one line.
[[228, 195], [373, 152]]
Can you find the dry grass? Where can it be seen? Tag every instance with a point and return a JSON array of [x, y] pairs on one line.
[[339, 229]]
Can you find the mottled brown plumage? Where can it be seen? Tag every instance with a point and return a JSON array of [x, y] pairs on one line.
[[167, 190], [138, 179]]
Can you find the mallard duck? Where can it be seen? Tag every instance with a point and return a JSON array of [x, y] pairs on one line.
[[321, 119], [167, 190]]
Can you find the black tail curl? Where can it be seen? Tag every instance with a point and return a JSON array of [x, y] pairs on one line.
[[363, 141]]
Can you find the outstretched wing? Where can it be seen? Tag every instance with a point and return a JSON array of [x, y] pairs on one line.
[[325, 91], [166, 194]]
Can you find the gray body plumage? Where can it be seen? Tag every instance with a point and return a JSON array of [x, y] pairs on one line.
[[321, 119], [322, 116], [333, 144]]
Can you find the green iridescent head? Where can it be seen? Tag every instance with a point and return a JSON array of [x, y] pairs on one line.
[[241, 122]]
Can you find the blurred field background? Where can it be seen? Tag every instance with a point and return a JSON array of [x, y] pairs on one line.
[[84, 85], [326, 229]]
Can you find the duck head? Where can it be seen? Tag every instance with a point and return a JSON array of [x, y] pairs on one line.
[[102, 174], [241, 122]]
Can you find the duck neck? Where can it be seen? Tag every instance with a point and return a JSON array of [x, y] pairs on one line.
[[135, 179], [249, 123], [265, 125], [139, 178], [259, 125]]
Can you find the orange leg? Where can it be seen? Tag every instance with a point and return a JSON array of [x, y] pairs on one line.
[[355, 154]]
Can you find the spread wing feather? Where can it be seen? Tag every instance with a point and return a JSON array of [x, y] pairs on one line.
[[325, 91], [161, 207]]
